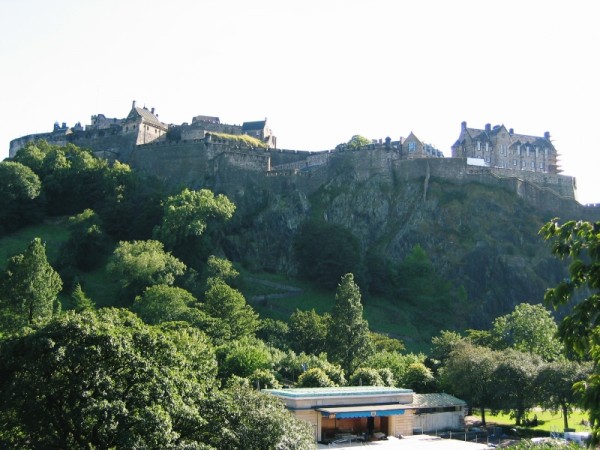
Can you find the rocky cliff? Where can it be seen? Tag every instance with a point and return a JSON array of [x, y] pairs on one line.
[[478, 228]]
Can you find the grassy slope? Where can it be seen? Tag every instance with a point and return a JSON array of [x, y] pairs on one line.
[[96, 284], [52, 233], [383, 316], [547, 421]]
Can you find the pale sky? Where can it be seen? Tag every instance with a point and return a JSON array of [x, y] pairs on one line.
[[321, 71]]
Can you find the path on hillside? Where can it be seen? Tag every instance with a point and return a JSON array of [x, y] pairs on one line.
[[288, 291]]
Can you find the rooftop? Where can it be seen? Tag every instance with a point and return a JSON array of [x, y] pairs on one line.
[[346, 391]]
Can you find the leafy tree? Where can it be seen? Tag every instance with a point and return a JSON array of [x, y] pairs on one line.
[[515, 375], [29, 288], [243, 418], [468, 373], [315, 377], [366, 376], [356, 142], [162, 303], [242, 358], [348, 335], [274, 332], [188, 213], [555, 383], [264, 379], [325, 252], [382, 342], [80, 301], [419, 378], [220, 269], [19, 187], [442, 346], [140, 264], [131, 207], [529, 328], [308, 331], [227, 304], [32, 155], [87, 244], [104, 380], [292, 365], [580, 330], [397, 363]]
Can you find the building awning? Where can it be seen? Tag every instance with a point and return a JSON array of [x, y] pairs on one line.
[[348, 412]]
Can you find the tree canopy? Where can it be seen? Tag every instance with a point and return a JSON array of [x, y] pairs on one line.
[[104, 380], [348, 336], [28, 288], [580, 329]]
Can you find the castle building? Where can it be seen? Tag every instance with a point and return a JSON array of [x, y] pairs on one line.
[[261, 131], [502, 148], [413, 148], [145, 124]]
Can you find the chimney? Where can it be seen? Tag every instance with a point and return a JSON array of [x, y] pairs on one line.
[[463, 125], [488, 127], [511, 131], [547, 135], [133, 105], [152, 110]]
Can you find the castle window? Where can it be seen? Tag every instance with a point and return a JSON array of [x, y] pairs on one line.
[[532, 165], [542, 165], [514, 162], [412, 146], [487, 146]]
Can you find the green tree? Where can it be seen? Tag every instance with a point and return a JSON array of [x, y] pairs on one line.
[[315, 377], [220, 269], [419, 378], [366, 376], [515, 375], [140, 264], [161, 303], [356, 142], [29, 288], [529, 328], [87, 244], [187, 215], [308, 331], [80, 301], [555, 383], [383, 342], [580, 329], [19, 187], [274, 332], [396, 362], [348, 336], [243, 418], [242, 358], [227, 304], [104, 380], [292, 365], [468, 373]]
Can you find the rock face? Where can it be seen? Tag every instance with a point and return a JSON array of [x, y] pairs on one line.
[[478, 229]]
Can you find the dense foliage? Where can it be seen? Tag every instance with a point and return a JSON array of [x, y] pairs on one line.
[[181, 367], [580, 330]]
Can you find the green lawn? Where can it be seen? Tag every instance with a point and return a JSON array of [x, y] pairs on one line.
[[547, 421], [53, 234]]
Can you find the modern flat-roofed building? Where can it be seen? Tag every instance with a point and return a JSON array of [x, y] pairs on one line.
[[370, 410]]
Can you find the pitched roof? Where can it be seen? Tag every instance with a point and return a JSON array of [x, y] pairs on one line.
[[436, 401], [258, 125], [145, 114]]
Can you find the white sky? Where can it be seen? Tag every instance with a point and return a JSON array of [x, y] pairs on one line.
[[320, 70]]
